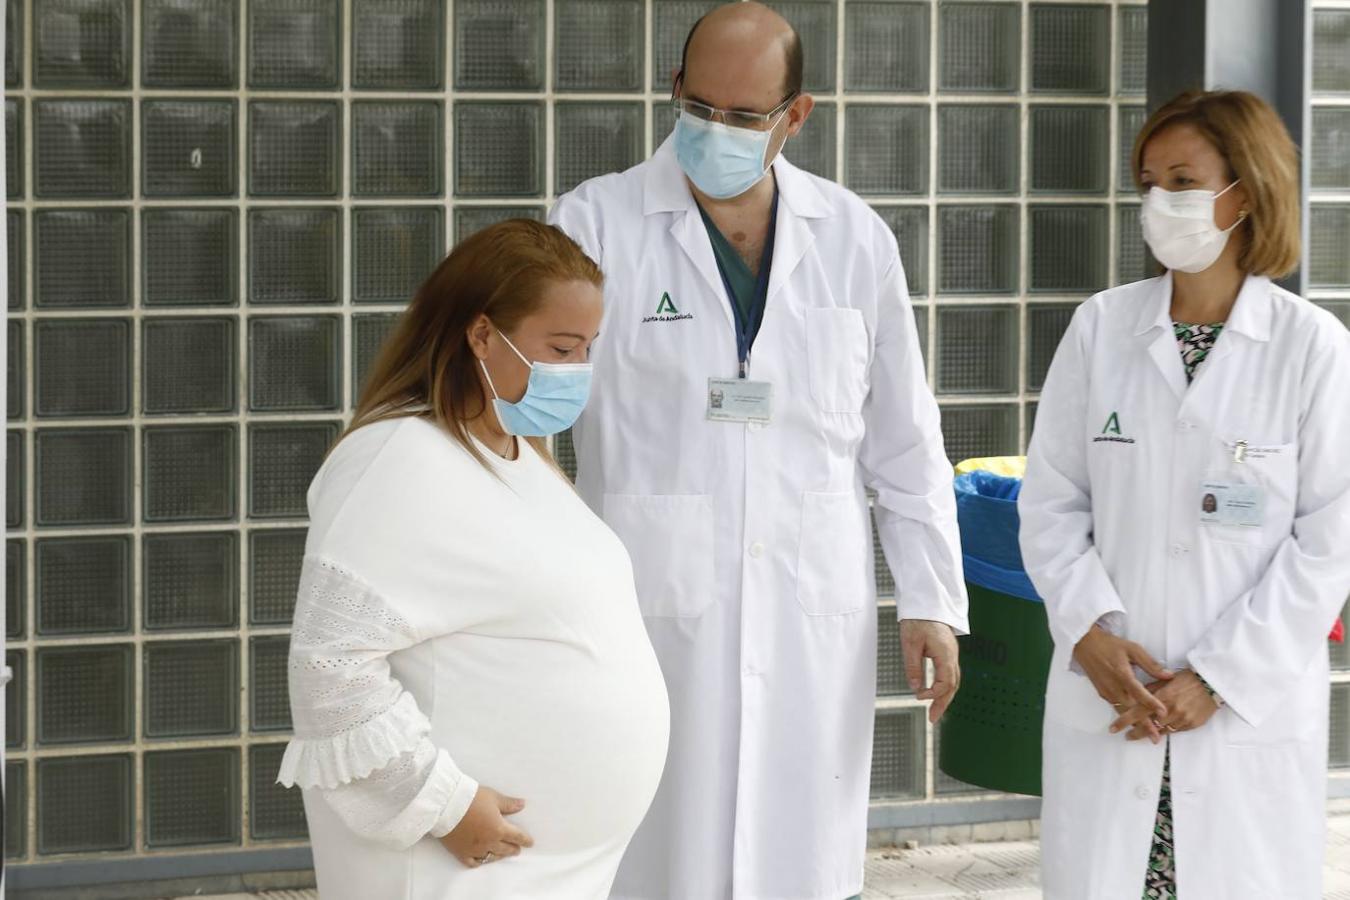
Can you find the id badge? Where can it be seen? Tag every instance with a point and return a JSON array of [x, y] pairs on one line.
[[739, 400], [1227, 503]]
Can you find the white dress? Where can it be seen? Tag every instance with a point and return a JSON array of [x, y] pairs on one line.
[[456, 628]]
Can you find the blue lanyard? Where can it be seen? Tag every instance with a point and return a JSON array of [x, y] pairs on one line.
[[747, 331]]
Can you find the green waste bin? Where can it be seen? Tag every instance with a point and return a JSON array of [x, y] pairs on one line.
[[991, 734]]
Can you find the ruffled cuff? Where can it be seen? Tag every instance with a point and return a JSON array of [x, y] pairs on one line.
[[355, 753]]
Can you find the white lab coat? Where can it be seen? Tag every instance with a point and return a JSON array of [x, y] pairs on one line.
[[1111, 527], [750, 543]]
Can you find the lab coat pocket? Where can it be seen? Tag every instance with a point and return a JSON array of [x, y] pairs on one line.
[[670, 538], [1269, 468], [832, 555], [837, 352]]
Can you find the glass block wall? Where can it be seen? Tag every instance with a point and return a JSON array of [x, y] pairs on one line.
[[217, 207]]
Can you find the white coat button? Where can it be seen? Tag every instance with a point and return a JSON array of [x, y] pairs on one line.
[[1183, 425], [1179, 550], [1142, 792], [756, 550]]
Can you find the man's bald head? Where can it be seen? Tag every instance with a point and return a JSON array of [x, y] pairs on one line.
[[754, 23]]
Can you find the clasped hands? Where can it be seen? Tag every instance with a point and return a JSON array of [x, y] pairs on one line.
[[1174, 701]]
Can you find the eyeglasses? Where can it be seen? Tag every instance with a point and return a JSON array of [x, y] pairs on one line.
[[734, 118]]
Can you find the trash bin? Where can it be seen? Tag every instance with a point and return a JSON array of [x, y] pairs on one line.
[[991, 734]]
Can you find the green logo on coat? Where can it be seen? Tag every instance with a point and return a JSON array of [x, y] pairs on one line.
[[1112, 424], [667, 306]]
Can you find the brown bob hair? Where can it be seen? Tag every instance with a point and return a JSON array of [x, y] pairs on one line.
[[1248, 133], [426, 367]]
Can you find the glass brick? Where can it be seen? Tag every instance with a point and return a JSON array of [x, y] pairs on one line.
[[82, 366], [83, 585], [891, 680], [368, 336], [565, 453], [14, 57], [268, 691], [396, 148], [275, 813], [1031, 422], [980, 429], [84, 694], [294, 148], [1069, 247], [813, 149], [598, 45], [595, 139], [188, 148], [499, 45], [16, 700], [499, 149], [15, 239], [190, 473], [899, 755], [83, 258], [887, 47], [16, 807], [189, 43], [978, 248], [909, 224], [14, 478], [282, 462], [469, 220], [977, 349], [192, 797], [396, 248], [189, 365], [295, 255], [1339, 735], [82, 148], [1338, 308], [294, 363], [1046, 325], [81, 43], [398, 45], [1070, 149], [1330, 156], [16, 367], [672, 21], [84, 804], [191, 257], [14, 146], [1071, 48], [83, 476], [1328, 240], [275, 558], [664, 116], [294, 44], [1131, 121], [815, 23], [1331, 51], [191, 688], [980, 149], [1133, 261], [190, 580], [16, 588], [886, 149], [885, 579], [921, 316], [980, 47], [1132, 38]]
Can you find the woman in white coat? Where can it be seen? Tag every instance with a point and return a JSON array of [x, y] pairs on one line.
[[1186, 516], [478, 710]]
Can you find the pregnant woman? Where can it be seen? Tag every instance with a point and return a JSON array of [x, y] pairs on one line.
[[478, 712]]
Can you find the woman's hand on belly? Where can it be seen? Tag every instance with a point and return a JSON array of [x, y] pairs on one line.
[[484, 835]]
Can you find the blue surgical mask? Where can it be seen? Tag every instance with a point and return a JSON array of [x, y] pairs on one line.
[[722, 162], [553, 400]]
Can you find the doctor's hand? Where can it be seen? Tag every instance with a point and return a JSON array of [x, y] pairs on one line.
[[921, 639], [484, 835], [1109, 662], [1189, 706]]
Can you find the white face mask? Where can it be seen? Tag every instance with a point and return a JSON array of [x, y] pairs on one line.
[[1179, 228]]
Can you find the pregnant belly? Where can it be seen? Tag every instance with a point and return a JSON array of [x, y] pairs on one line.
[[581, 740]]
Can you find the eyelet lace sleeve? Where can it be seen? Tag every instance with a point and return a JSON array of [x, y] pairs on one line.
[[359, 737]]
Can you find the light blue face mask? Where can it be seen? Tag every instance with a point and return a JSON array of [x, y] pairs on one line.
[[722, 162], [553, 400]]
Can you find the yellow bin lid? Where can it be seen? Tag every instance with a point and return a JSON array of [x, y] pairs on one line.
[[1009, 466]]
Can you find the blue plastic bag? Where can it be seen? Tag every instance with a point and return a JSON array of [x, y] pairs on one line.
[[986, 511]]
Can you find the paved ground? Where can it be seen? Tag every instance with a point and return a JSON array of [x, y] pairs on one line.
[[995, 871]]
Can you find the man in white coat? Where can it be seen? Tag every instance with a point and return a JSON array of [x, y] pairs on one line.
[[758, 369]]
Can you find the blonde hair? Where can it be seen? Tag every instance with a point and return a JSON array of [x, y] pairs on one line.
[[1249, 135]]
